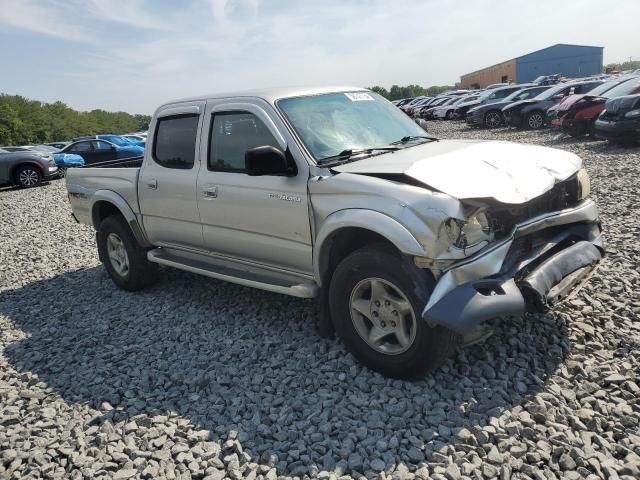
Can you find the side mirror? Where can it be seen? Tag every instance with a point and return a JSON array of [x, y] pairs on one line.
[[267, 160], [423, 123]]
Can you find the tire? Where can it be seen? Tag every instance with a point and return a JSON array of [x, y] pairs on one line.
[[117, 246], [401, 287], [493, 119], [535, 120], [28, 176], [448, 115], [62, 172]]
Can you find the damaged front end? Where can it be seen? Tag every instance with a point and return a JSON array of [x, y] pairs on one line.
[[541, 251]]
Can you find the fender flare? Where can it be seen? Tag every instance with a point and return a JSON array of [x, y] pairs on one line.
[[371, 220], [124, 208]]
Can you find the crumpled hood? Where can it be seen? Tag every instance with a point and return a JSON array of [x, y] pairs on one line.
[[508, 172]]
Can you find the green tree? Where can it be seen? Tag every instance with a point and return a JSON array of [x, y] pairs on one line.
[[24, 121]]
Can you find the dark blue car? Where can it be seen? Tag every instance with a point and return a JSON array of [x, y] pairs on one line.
[[96, 151]]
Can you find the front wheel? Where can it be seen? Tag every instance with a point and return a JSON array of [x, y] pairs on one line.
[[535, 120], [376, 300], [28, 176], [493, 119], [123, 257]]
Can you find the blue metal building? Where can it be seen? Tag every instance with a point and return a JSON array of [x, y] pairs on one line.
[[569, 60]]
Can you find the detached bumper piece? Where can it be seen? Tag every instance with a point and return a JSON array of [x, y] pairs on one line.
[[537, 290]]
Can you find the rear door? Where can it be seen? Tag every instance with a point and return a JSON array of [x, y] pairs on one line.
[[167, 185], [256, 219], [85, 149]]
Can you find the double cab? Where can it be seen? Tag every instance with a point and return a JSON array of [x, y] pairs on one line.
[[408, 242]]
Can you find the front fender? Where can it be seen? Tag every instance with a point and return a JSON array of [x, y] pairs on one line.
[[121, 204], [371, 220]]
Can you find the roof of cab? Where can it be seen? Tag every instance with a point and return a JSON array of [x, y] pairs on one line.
[[269, 94]]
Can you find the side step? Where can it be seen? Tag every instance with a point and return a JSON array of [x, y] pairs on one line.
[[247, 275]]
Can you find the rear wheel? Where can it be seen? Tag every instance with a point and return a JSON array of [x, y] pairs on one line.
[[449, 115], [123, 257], [28, 176], [376, 300], [493, 119], [535, 120]]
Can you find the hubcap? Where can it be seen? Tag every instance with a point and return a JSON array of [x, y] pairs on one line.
[[382, 316], [28, 177], [117, 254], [493, 120], [536, 121]]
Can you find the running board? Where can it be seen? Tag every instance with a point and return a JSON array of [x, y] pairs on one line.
[[249, 276]]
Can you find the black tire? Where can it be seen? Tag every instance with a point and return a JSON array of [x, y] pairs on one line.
[[141, 272], [430, 345], [535, 120], [448, 115], [493, 119], [62, 172], [28, 176]]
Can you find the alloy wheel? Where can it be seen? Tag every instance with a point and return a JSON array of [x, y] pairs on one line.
[[28, 177], [117, 254], [494, 119], [382, 316], [536, 121]]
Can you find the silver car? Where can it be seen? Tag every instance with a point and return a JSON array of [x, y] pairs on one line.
[[407, 241]]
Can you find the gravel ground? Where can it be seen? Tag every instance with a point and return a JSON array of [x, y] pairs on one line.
[[196, 378]]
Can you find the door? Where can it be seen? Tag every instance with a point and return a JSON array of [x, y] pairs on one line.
[[104, 151], [257, 219], [167, 184], [84, 149]]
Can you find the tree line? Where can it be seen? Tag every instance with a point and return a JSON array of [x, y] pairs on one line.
[[397, 92], [24, 121]]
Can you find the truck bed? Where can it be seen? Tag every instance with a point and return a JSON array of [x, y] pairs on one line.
[[87, 185]]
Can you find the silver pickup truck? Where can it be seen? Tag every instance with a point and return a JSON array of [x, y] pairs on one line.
[[408, 241]]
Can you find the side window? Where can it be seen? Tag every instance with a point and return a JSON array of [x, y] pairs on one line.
[[101, 146], [232, 134], [175, 142], [82, 147]]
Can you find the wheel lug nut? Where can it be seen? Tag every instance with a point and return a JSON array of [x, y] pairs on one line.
[[383, 324], [393, 324], [387, 303], [395, 313], [377, 303], [375, 314]]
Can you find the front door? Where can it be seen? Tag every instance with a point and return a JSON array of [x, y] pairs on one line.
[[167, 184], [258, 219], [103, 151]]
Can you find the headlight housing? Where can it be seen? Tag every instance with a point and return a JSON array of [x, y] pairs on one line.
[[475, 230]]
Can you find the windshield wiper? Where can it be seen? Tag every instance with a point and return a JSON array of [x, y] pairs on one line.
[[410, 138], [351, 152]]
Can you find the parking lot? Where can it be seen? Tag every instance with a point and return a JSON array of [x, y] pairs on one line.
[[196, 378]]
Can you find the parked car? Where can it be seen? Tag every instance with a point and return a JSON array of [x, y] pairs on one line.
[[487, 96], [531, 113], [25, 168], [577, 114], [497, 85], [412, 108], [426, 111], [95, 151], [408, 241], [620, 120], [548, 79], [121, 140], [136, 139], [445, 111], [490, 115]]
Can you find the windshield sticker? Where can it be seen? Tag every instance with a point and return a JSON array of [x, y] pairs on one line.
[[359, 97]]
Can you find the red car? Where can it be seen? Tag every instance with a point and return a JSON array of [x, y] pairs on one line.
[[577, 114]]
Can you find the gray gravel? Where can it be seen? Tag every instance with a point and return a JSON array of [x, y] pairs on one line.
[[196, 378]]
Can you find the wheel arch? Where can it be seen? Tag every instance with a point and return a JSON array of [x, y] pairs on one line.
[[348, 230], [106, 203]]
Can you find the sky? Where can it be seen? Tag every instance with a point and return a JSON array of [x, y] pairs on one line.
[[132, 55]]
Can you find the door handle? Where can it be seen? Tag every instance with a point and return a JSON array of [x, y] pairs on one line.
[[210, 191], [152, 184]]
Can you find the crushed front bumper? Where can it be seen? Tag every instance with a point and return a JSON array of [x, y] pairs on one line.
[[538, 267]]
